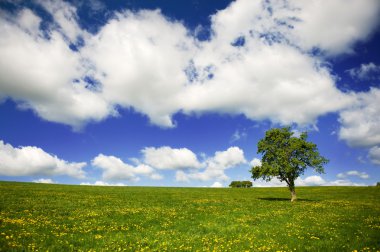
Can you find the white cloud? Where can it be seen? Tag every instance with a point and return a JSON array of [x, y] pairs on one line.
[[368, 71], [44, 181], [333, 26], [360, 122], [215, 166], [140, 60], [255, 162], [217, 185], [167, 158], [308, 181], [102, 183], [152, 64], [29, 22], [65, 17], [341, 182], [273, 183], [115, 169], [238, 135], [31, 160], [374, 155], [40, 74], [362, 175]]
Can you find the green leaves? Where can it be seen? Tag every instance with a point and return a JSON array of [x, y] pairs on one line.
[[286, 156]]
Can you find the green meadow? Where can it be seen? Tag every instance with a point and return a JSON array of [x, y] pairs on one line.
[[43, 217]]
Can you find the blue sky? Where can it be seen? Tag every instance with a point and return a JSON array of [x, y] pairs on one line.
[[169, 93]]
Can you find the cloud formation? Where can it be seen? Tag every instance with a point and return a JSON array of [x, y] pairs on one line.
[[114, 168], [360, 122], [362, 175], [214, 167], [313, 180], [44, 181], [258, 62], [167, 158], [31, 160], [365, 72], [374, 155], [102, 183]]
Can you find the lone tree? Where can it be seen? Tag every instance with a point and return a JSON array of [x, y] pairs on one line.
[[286, 157]]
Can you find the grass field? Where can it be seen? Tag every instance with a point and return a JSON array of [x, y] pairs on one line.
[[87, 218]]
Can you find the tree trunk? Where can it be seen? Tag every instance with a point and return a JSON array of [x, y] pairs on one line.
[[293, 193]]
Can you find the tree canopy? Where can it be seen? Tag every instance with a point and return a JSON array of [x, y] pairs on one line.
[[286, 157], [244, 184]]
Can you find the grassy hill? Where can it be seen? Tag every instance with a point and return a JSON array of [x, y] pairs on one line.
[[81, 218]]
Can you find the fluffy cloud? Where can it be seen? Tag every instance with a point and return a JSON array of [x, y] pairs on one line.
[[332, 26], [45, 75], [374, 155], [217, 185], [145, 61], [273, 183], [255, 162], [44, 181], [343, 182], [102, 183], [360, 122], [114, 168], [215, 166], [308, 181], [171, 159], [368, 71], [361, 175], [140, 60], [31, 160]]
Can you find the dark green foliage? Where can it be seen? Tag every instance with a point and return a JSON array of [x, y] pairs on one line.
[[378, 184], [286, 157], [239, 184]]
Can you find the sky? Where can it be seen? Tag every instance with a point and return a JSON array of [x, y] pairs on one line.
[[178, 93]]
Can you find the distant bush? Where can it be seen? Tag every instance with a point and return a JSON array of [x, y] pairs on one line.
[[378, 184], [241, 184]]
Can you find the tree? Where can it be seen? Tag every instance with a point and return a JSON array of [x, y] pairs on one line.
[[247, 184], [238, 184], [286, 157]]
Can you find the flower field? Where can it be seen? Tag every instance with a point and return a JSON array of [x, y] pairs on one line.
[[42, 217]]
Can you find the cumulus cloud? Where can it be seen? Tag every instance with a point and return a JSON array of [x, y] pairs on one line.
[[310, 181], [215, 166], [44, 181], [362, 175], [257, 62], [332, 26], [31, 160], [255, 162], [217, 185], [273, 183], [114, 168], [313, 180], [360, 122], [343, 182], [140, 60], [368, 71], [374, 155], [45, 75], [102, 183], [167, 158]]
